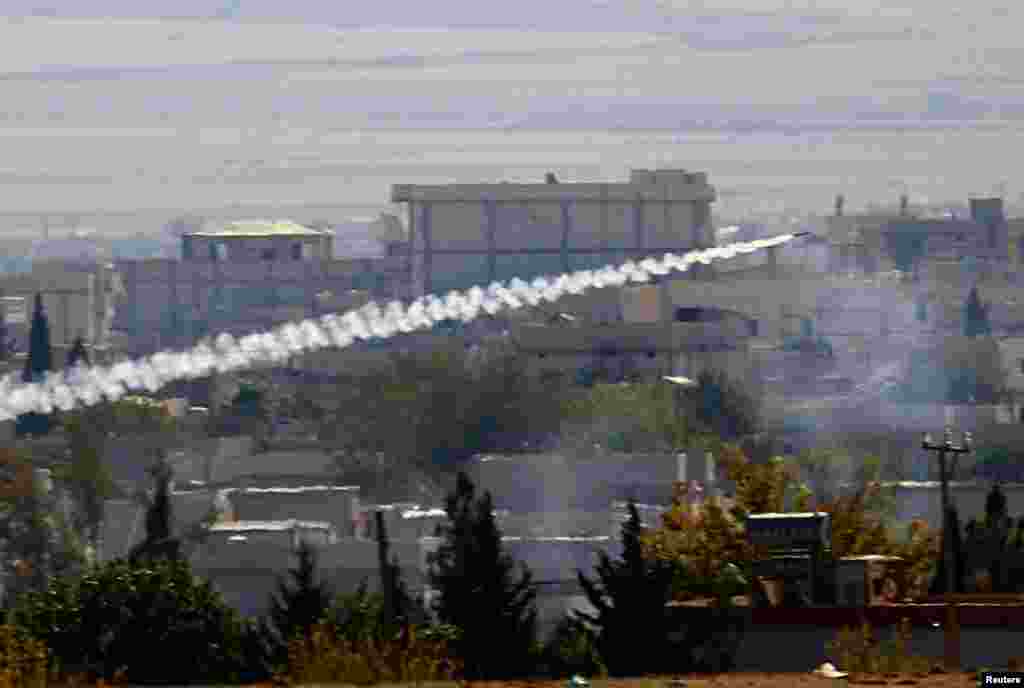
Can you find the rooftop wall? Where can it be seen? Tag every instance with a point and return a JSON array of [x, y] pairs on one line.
[[334, 504], [558, 482]]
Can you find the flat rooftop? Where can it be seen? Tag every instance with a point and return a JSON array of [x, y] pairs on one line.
[[662, 184], [258, 228]]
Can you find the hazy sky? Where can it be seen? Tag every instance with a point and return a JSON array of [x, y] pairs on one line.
[[201, 105]]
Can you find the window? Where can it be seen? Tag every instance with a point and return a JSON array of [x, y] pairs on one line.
[[296, 251], [268, 254], [1020, 363], [218, 251]]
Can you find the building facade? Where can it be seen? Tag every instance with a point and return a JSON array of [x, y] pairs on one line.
[[79, 301], [256, 241], [467, 234], [245, 277]]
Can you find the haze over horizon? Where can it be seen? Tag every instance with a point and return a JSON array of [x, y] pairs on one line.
[[316, 108]]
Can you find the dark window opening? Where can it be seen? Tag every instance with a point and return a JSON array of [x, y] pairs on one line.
[[268, 254], [296, 251], [650, 354], [752, 325], [697, 314]]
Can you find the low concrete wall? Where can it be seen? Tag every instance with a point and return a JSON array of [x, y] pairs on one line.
[[786, 648], [797, 640]]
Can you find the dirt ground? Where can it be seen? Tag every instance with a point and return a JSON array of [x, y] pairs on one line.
[[756, 680]]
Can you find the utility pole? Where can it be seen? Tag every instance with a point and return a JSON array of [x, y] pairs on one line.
[[946, 447]]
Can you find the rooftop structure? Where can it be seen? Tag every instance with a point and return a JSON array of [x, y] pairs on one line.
[[257, 228], [255, 241]]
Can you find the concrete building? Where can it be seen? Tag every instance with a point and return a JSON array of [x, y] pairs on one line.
[[637, 350], [243, 277], [255, 241], [334, 504], [79, 300], [467, 234], [983, 238]]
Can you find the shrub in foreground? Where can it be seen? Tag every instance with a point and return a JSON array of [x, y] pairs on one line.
[[414, 655], [23, 660], [858, 651], [572, 650], [149, 623]]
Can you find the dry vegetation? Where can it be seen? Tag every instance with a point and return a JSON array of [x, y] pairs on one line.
[[750, 680]]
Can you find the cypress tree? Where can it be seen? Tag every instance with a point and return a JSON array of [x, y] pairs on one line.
[[297, 607], [629, 595], [976, 322], [5, 348], [38, 363], [78, 354], [476, 590], [399, 606], [159, 542]]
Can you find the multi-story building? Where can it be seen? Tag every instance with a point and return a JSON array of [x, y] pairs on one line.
[[467, 234], [981, 243], [78, 299], [243, 277], [257, 241]]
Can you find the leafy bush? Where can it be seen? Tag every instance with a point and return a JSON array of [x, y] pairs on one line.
[[711, 534], [858, 651], [414, 655], [23, 660], [358, 615], [571, 650], [154, 623]]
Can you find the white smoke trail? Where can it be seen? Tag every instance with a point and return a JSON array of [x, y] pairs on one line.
[[69, 389]]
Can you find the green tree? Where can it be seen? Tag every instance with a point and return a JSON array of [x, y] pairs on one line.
[[38, 542], [156, 623], [159, 542], [86, 476], [38, 363], [722, 406], [300, 605], [629, 418], [78, 355], [825, 468], [975, 319], [451, 406], [476, 590], [630, 596], [399, 607], [5, 338], [360, 615]]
